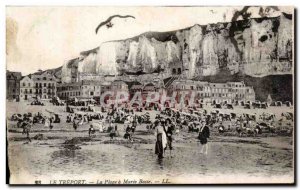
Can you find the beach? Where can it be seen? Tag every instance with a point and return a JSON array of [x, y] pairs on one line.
[[261, 158]]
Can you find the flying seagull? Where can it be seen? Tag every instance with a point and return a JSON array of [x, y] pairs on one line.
[[108, 23]]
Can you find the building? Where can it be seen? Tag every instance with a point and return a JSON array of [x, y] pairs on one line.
[[13, 85], [230, 92], [40, 85], [44, 84], [149, 89], [221, 93], [89, 77], [134, 87], [119, 85], [27, 88], [203, 91], [80, 90]]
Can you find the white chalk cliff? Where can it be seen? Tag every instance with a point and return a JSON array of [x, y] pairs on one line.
[[255, 47]]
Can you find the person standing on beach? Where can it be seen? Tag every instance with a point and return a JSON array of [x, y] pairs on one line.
[[203, 136], [161, 141], [91, 130], [169, 133]]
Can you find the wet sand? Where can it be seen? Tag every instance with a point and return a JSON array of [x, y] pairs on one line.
[[230, 158]]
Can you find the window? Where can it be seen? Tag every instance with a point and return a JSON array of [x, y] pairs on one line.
[[24, 84], [44, 78], [30, 91], [45, 84], [92, 93]]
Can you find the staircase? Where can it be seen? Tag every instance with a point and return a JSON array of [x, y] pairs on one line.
[[171, 80]]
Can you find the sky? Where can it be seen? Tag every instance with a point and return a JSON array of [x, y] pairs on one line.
[[47, 37]]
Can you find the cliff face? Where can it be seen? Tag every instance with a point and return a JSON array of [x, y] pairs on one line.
[[255, 47]]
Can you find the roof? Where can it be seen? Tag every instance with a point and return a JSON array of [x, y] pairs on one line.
[[83, 82], [39, 76], [89, 82], [15, 75], [219, 85], [149, 84], [28, 76]]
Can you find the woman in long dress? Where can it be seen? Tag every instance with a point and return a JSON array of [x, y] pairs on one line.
[[161, 140], [204, 134]]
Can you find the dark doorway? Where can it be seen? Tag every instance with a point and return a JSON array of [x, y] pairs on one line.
[[174, 72], [179, 71]]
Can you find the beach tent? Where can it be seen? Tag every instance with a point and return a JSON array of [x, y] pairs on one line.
[[242, 103], [218, 106], [229, 106], [247, 106], [288, 103], [278, 103], [264, 105]]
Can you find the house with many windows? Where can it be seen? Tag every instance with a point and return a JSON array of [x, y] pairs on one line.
[[40, 85], [44, 84], [80, 90], [27, 88], [203, 91]]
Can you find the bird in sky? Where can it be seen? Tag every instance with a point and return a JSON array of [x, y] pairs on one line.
[[108, 22]]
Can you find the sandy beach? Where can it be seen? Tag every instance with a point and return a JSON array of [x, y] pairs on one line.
[[263, 158]]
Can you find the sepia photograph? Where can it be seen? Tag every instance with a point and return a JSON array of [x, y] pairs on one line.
[[148, 95]]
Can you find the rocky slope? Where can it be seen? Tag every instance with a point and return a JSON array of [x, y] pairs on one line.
[[255, 47]]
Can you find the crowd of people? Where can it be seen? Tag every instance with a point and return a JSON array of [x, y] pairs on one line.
[[167, 122]]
